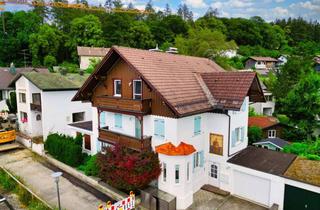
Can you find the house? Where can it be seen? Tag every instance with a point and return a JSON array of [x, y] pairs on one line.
[[276, 144], [260, 63], [265, 108], [87, 53], [187, 109], [6, 77], [271, 127], [44, 103], [283, 59], [317, 63]]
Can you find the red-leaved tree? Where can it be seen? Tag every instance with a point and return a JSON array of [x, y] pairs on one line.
[[128, 170]]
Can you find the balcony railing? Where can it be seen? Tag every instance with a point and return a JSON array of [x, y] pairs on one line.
[[35, 107], [128, 141], [123, 104]]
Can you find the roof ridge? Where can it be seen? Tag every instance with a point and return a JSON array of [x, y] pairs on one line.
[[205, 89]]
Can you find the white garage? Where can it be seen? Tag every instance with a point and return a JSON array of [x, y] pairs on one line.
[[252, 187]]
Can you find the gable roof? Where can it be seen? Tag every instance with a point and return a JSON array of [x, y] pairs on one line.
[[257, 58], [54, 81], [280, 143], [174, 77], [264, 160], [262, 121], [92, 51], [171, 150], [6, 77]]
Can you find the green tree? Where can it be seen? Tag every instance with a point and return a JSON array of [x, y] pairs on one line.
[[139, 36], [254, 134], [204, 43], [212, 23], [49, 61], [12, 103], [46, 41], [302, 104]]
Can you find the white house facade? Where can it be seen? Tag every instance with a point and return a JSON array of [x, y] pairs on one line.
[[86, 54]]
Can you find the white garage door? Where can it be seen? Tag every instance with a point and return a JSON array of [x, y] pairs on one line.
[[252, 187]]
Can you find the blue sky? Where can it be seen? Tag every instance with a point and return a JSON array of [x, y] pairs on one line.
[[268, 9]]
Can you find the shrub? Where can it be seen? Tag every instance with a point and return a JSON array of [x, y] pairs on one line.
[[6, 182], [254, 134], [49, 61], [70, 67], [308, 149], [127, 170], [12, 103], [24, 196], [90, 166], [65, 149]]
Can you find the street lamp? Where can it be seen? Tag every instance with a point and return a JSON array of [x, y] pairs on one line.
[[56, 176]]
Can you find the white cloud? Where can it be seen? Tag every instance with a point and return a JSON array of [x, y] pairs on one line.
[[217, 4], [311, 5], [195, 3], [279, 1], [240, 3], [280, 12]]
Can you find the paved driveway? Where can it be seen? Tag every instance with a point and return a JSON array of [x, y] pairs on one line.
[[38, 177], [204, 200]]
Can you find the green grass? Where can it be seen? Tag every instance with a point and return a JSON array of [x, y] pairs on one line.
[[26, 198]]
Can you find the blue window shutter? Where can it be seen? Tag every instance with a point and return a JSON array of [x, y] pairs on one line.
[[201, 158], [102, 119], [233, 138], [156, 127], [118, 120], [194, 161], [242, 134], [159, 128], [197, 125]]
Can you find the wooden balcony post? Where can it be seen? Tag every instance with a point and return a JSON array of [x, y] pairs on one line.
[[99, 111]]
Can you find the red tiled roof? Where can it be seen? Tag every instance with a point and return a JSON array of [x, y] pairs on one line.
[[229, 88], [6, 77], [171, 150], [262, 121], [92, 51], [256, 58], [174, 77]]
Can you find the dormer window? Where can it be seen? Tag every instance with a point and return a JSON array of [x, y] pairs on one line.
[[117, 87], [137, 89]]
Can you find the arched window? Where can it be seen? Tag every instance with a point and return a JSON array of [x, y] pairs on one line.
[[38, 117]]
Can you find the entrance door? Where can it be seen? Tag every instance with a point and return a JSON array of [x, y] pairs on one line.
[[213, 174], [299, 199], [138, 128]]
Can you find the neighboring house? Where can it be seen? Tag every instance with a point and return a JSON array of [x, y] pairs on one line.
[[283, 59], [317, 63], [265, 108], [87, 53], [44, 103], [261, 63], [276, 144], [187, 109], [271, 127], [6, 77]]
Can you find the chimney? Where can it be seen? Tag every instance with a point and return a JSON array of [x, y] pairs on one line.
[[172, 50], [155, 49], [12, 69]]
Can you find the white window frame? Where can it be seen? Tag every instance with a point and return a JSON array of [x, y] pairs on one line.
[[164, 173], [177, 169], [21, 98], [134, 88], [188, 171], [115, 87], [272, 133]]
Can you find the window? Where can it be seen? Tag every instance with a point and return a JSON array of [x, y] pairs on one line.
[[213, 171], [159, 128], [87, 142], [272, 133], [38, 117], [78, 116], [23, 117], [137, 89], [188, 171], [197, 125], [277, 149], [177, 173], [22, 97], [243, 107], [237, 136], [164, 172], [36, 98], [198, 159], [117, 87], [118, 120], [268, 97]]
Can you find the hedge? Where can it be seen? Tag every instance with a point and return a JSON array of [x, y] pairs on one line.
[[65, 149]]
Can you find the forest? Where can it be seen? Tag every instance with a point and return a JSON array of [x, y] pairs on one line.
[[45, 36]]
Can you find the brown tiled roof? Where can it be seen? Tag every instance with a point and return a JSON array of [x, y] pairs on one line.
[[305, 171], [6, 77], [264, 160], [229, 88], [262, 121], [92, 51], [256, 58], [173, 77]]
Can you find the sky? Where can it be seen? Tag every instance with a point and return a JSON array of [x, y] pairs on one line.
[[267, 9]]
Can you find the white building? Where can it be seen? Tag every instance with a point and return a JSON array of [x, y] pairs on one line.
[[44, 103], [88, 53], [188, 110], [267, 107]]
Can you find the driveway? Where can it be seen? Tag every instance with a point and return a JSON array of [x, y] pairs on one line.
[[37, 177], [204, 200]]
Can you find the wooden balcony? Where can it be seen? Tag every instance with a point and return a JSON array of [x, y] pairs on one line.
[[123, 104], [35, 107], [128, 141]]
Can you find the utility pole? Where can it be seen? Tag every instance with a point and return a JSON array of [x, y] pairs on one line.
[[25, 55]]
